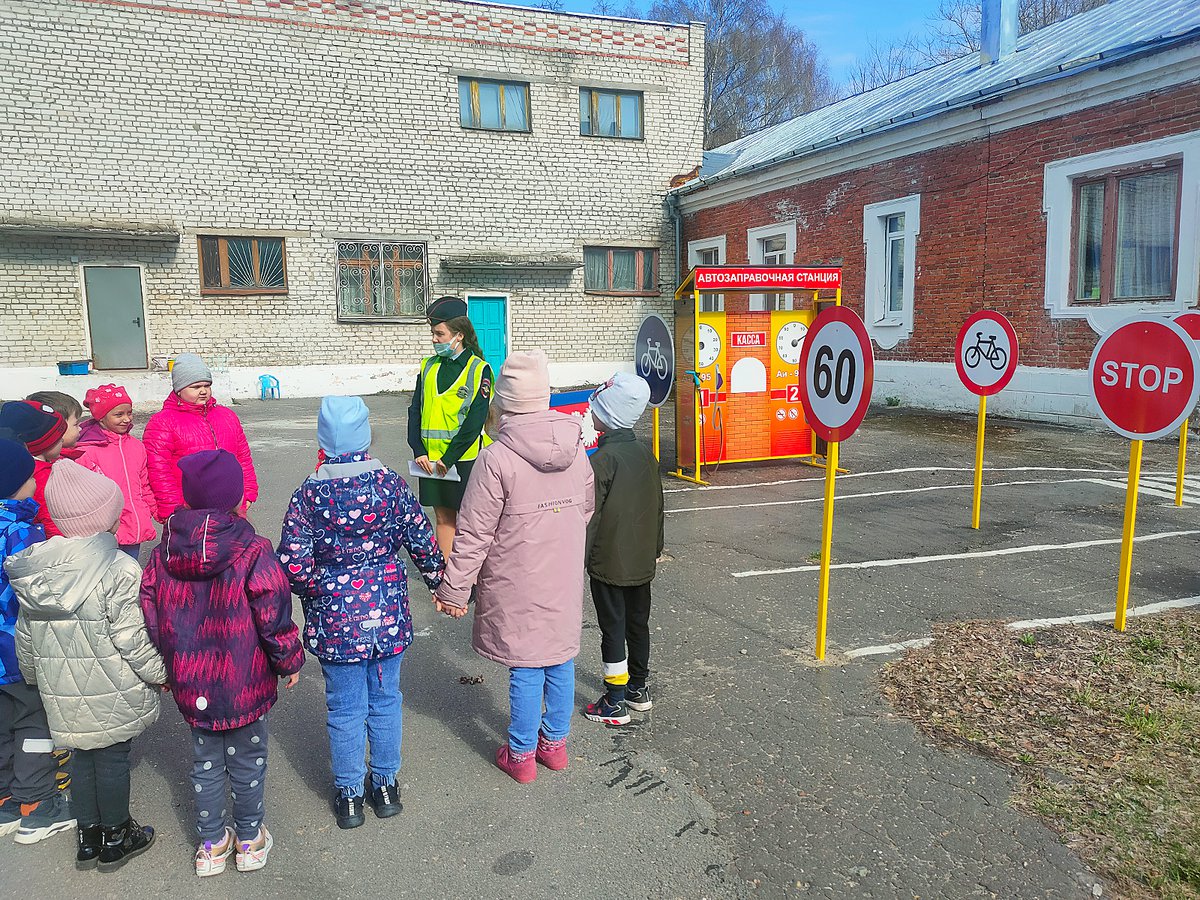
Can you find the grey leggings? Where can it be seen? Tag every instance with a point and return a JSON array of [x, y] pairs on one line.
[[238, 757]]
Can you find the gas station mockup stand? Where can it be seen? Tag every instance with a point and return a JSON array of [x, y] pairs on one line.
[[737, 396]]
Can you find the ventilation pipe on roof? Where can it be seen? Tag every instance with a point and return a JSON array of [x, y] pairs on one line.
[[999, 37]]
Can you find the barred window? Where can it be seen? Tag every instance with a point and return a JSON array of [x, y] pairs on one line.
[[381, 280], [242, 265]]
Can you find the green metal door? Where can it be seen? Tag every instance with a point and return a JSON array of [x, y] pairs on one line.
[[116, 317]]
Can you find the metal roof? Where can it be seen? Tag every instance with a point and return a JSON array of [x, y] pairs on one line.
[[1118, 30]]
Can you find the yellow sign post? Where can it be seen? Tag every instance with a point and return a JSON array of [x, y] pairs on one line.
[[1181, 464], [1131, 496], [831, 468], [979, 430], [657, 435]]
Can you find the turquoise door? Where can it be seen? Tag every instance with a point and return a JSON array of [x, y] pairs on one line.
[[116, 318], [489, 315]]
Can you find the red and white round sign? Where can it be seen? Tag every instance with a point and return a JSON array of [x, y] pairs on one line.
[[1190, 322], [985, 353], [1143, 376], [837, 367]]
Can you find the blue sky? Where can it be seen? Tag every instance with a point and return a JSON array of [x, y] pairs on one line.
[[843, 31]]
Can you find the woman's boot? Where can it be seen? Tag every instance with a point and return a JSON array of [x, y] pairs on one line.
[[124, 842], [91, 839]]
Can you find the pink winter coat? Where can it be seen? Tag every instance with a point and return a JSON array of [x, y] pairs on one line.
[[181, 428], [121, 457], [522, 529]]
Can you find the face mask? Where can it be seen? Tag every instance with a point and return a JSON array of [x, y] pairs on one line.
[[445, 351]]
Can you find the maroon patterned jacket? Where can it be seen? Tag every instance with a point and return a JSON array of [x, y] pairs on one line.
[[218, 607]]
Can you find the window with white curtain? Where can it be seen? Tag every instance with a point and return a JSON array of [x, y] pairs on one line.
[[890, 230], [620, 270], [708, 252], [615, 114], [1126, 236], [771, 245], [493, 105]]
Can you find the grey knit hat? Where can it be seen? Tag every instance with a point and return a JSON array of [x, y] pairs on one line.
[[188, 369]]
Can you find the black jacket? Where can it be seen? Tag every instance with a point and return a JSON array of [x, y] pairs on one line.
[[625, 535]]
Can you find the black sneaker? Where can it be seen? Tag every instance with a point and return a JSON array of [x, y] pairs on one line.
[[608, 711], [386, 801], [349, 811], [638, 699]]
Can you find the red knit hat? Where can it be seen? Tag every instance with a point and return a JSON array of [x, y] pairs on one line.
[[35, 424], [102, 400]]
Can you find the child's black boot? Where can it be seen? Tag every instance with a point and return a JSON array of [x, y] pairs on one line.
[[124, 842], [91, 840]]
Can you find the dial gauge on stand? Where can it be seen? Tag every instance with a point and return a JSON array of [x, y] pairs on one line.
[[790, 341], [710, 346]]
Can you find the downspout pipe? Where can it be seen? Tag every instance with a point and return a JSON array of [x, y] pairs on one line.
[[676, 215]]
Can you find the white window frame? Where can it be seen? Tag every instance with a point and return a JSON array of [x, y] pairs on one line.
[[886, 326], [754, 250], [1058, 204], [694, 249]]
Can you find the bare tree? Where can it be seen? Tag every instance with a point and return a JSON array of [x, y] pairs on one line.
[[759, 69], [954, 31]]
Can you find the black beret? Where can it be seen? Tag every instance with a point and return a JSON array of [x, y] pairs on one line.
[[443, 309]]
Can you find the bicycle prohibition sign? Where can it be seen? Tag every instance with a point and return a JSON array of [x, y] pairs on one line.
[[985, 348], [985, 353]]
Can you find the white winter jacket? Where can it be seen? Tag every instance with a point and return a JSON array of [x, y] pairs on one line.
[[82, 641]]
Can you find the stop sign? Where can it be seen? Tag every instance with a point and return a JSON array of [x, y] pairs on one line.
[[1143, 377]]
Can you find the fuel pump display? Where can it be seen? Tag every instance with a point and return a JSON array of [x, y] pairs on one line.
[[739, 398]]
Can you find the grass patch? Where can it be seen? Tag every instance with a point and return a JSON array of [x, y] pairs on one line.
[[1102, 728]]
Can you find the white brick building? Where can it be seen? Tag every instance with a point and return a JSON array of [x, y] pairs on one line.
[[225, 176]]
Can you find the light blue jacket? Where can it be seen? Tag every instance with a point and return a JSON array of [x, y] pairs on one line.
[[17, 531]]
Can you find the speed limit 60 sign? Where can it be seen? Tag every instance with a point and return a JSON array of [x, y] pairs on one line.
[[837, 372], [1143, 376]]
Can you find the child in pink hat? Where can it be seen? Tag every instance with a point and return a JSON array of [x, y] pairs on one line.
[[107, 446]]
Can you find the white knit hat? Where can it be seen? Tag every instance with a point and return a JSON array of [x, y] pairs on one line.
[[524, 383], [82, 502]]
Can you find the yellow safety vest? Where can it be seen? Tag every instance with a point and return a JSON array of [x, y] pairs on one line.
[[442, 415]]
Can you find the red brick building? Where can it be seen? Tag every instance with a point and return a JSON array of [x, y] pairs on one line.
[[1055, 178]]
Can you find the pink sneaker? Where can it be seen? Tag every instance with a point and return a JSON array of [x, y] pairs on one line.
[[552, 754], [520, 766]]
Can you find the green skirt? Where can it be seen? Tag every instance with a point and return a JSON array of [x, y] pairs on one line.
[[447, 494]]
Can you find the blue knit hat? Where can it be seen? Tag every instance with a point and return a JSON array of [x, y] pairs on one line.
[[16, 466], [343, 426]]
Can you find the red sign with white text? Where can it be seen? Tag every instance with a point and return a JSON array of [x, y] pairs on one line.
[[1143, 376], [766, 278], [748, 338]]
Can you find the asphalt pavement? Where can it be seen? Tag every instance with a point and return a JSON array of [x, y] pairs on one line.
[[760, 772]]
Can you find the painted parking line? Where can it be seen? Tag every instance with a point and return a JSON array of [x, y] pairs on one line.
[[1030, 624], [1163, 487], [920, 490], [909, 470], [973, 554]]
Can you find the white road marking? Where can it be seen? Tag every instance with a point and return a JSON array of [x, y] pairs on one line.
[[905, 471], [920, 490], [1028, 624], [881, 649], [974, 554], [1148, 609]]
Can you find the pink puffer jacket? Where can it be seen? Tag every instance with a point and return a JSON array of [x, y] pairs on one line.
[[121, 457], [182, 428], [521, 534]]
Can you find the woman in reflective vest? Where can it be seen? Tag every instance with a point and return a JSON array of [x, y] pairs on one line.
[[448, 411]]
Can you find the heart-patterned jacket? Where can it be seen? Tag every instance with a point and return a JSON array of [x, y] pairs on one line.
[[342, 538]]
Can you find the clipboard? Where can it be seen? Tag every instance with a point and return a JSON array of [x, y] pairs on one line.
[[416, 471]]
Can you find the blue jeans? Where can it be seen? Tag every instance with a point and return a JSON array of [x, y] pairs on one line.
[[527, 689], [363, 699]]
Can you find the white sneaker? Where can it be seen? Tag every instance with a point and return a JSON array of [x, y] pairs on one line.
[[211, 858], [249, 859]]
